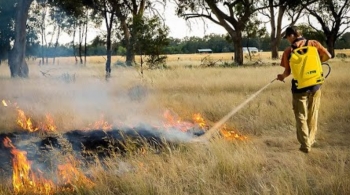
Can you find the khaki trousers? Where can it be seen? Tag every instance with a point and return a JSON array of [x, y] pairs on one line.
[[306, 106]]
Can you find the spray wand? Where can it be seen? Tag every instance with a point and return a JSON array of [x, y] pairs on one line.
[[218, 124]]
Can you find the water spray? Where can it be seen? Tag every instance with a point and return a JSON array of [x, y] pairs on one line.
[[218, 124]]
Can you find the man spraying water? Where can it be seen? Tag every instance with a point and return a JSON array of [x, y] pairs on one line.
[[303, 60]]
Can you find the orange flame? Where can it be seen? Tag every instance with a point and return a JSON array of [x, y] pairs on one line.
[[23, 179], [24, 122], [230, 134], [197, 118], [100, 124], [70, 176], [174, 121], [225, 132], [50, 124]]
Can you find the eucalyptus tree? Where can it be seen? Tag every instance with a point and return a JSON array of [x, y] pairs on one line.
[[253, 30], [128, 12], [7, 16], [276, 11], [233, 15], [104, 9], [17, 63], [16, 60], [151, 40], [333, 17]]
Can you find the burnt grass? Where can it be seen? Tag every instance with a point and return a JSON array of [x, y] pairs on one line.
[[44, 148]]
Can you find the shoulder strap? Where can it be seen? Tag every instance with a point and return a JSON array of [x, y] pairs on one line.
[[296, 40]]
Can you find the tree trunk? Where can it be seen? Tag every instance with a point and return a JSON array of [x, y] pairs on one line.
[[330, 44], [81, 36], [130, 55], [85, 43], [109, 54], [274, 48], [73, 42], [17, 63], [109, 25], [237, 44], [56, 44], [250, 55]]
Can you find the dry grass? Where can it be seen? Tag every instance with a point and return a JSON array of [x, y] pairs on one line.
[[267, 163]]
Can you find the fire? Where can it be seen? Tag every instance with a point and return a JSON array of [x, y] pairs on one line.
[[50, 124], [225, 132], [174, 121], [25, 122], [197, 118], [23, 178], [71, 176], [100, 124], [230, 134]]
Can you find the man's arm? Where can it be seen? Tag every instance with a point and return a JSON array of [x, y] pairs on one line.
[[322, 51], [285, 64]]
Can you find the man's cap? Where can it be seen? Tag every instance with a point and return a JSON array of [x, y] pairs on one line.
[[291, 30]]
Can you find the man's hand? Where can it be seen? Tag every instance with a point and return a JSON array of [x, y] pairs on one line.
[[280, 77]]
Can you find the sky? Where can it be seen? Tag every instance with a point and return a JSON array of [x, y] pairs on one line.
[[178, 27]]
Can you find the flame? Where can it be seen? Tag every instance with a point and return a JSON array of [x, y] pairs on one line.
[[25, 122], [23, 178], [197, 118], [230, 134], [4, 103], [25, 181], [50, 124], [100, 124], [174, 121], [71, 176]]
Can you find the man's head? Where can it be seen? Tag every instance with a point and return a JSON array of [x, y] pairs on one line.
[[291, 33]]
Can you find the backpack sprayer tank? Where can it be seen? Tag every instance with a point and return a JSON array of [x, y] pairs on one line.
[[306, 66]]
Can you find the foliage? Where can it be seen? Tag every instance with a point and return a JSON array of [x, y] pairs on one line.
[[310, 33], [343, 42], [151, 38], [6, 27], [234, 16], [333, 16]]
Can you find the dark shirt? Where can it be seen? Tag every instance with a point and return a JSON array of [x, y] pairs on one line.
[[304, 90]]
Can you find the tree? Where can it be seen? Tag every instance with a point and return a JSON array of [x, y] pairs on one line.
[[344, 41], [7, 16], [234, 20], [128, 12], [105, 9], [332, 15], [151, 40], [252, 31], [17, 63], [275, 12], [311, 33]]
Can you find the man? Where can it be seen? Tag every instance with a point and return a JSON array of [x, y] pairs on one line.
[[306, 101]]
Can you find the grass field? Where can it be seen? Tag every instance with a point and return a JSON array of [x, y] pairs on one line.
[[267, 162]]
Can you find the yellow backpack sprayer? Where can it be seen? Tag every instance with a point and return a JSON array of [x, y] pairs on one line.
[[306, 66]]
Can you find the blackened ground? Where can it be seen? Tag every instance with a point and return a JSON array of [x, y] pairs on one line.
[[42, 147]]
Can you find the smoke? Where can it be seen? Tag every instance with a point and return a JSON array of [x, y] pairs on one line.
[[123, 102]]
